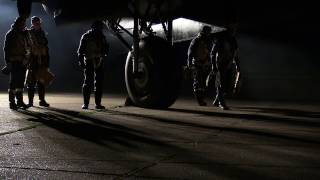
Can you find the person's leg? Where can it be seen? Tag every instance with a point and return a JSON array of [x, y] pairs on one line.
[[21, 74], [98, 87], [221, 91], [12, 102], [41, 93], [12, 88], [87, 86], [216, 99], [198, 88], [31, 83]]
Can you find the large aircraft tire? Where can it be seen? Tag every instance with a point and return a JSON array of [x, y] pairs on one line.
[[158, 82]]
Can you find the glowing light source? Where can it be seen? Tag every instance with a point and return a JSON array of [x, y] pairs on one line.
[[183, 29]]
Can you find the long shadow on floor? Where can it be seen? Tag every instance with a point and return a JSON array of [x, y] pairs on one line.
[[293, 120], [252, 117], [90, 128], [173, 121], [105, 133], [283, 111]]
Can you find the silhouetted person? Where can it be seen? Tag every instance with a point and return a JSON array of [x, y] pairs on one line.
[[224, 55], [39, 61], [199, 62], [92, 51], [16, 55]]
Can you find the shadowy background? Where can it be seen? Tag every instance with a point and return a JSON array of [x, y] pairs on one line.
[[279, 54]]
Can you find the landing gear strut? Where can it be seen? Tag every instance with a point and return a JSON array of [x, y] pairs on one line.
[[24, 8]]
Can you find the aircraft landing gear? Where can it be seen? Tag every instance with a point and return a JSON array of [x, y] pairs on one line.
[[157, 81], [152, 72]]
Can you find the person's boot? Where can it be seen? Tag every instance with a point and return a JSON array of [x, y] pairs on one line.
[[216, 101], [97, 97], [41, 92], [12, 102], [30, 96], [222, 103], [223, 106], [200, 100], [20, 103], [86, 98], [43, 103]]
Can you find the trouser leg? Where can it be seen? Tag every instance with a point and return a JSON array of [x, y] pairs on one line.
[[87, 86], [98, 87], [199, 85], [221, 92], [12, 102], [222, 88], [31, 91], [86, 95], [19, 96], [41, 92], [12, 87], [17, 83]]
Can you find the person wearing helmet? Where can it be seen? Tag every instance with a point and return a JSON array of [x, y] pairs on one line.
[[16, 54], [39, 61], [199, 62], [92, 51]]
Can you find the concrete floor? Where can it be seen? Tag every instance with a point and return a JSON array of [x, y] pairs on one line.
[[253, 140]]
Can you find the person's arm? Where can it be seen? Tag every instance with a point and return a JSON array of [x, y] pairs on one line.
[[191, 51], [81, 50], [7, 46]]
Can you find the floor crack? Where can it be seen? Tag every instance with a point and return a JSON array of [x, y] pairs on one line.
[[21, 129], [60, 170], [137, 170]]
